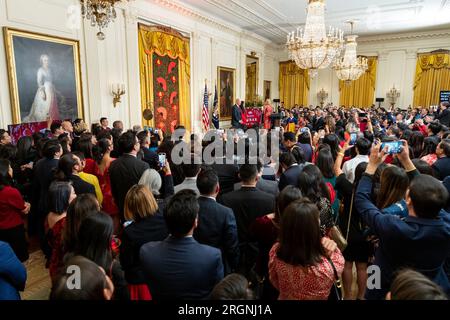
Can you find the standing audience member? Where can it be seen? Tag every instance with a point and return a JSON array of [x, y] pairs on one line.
[[190, 171], [5, 138], [362, 151], [291, 171], [179, 267], [216, 223], [442, 165], [302, 263], [13, 274], [12, 211], [69, 168], [146, 224], [232, 287], [89, 178], [126, 171]]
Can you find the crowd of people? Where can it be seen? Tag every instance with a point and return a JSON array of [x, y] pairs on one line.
[[350, 188]]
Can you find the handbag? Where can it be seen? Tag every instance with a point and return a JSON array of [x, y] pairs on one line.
[[336, 236], [336, 289]]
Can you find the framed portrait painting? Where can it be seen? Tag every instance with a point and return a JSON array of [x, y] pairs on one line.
[[44, 77], [227, 91]]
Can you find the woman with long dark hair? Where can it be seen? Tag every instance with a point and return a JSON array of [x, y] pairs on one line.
[[102, 156], [26, 157], [415, 141], [302, 263], [393, 186], [333, 141], [86, 143], [95, 242], [12, 212], [265, 230], [429, 150], [314, 188], [325, 163]]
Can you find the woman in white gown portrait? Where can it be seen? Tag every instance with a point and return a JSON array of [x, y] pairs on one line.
[[45, 104]]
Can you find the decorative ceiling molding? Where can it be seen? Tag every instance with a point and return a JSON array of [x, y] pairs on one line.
[[405, 36]]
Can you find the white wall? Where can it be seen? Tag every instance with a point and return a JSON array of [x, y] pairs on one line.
[[213, 44], [397, 57]]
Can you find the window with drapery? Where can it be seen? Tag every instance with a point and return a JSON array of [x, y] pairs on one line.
[[360, 93], [432, 77], [294, 84]]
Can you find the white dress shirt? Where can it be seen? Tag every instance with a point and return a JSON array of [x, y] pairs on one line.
[[350, 166]]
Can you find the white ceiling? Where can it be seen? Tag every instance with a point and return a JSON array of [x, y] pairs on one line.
[[273, 19]]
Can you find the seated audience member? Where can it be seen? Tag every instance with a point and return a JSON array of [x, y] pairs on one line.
[[268, 186], [313, 186], [362, 150], [95, 242], [60, 195], [191, 171], [232, 287], [13, 274], [80, 208], [146, 224], [89, 178], [216, 223], [265, 231], [127, 170], [291, 171], [95, 284], [69, 168], [153, 181], [13, 210], [5, 138], [442, 165], [421, 240], [302, 263], [179, 267], [247, 204], [391, 197], [412, 285]]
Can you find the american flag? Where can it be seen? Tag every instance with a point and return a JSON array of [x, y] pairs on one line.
[[205, 116]]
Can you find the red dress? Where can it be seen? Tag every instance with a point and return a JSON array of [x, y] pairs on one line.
[[300, 283], [54, 236], [108, 205], [268, 110]]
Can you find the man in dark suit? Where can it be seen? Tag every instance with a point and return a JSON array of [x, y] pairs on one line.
[[421, 240], [236, 116], [442, 166], [318, 122], [268, 186], [248, 203], [291, 171], [216, 223], [44, 171], [145, 153], [180, 267], [126, 171], [444, 114]]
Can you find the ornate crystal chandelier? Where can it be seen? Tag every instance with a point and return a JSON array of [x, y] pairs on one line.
[[312, 49], [100, 13], [350, 67]]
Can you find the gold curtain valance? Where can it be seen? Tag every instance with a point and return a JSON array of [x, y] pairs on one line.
[[361, 92], [165, 41], [429, 61], [432, 77], [294, 84]]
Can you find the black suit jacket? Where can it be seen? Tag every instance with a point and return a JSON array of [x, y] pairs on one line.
[[268, 186], [236, 116], [124, 173], [248, 204], [44, 172], [151, 158], [217, 228], [134, 236], [290, 177], [81, 187], [228, 175], [181, 268], [444, 117], [319, 123], [442, 168]]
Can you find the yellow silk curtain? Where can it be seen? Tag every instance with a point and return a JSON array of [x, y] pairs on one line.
[[360, 93], [294, 84], [165, 42], [432, 76], [251, 82]]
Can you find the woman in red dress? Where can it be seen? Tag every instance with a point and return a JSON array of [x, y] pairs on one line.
[[268, 110], [60, 195], [103, 160]]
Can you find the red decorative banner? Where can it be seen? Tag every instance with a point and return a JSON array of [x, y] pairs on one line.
[[252, 117]]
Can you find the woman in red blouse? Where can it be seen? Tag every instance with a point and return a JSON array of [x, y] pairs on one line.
[[60, 195], [12, 211], [300, 264]]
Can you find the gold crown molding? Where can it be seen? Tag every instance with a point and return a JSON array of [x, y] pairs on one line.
[[405, 36]]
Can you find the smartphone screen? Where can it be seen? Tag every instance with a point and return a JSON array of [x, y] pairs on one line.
[[305, 129], [353, 138], [393, 147], [162, 159]]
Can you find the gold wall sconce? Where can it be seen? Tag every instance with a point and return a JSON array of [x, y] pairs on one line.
[[117, 90]]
